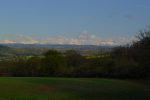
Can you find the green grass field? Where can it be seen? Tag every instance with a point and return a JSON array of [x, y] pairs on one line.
[[24, 88]]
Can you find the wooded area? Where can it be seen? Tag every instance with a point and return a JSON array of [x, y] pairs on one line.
[[130, 61]]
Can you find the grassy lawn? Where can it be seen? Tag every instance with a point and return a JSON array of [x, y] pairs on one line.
[[35, 88]]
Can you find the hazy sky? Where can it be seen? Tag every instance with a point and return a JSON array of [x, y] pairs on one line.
[[72, 21]]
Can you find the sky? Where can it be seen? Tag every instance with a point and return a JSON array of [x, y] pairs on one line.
[[96, 22]]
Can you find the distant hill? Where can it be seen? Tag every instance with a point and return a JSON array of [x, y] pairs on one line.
[[10, 51], [59, 46], [6, 51]]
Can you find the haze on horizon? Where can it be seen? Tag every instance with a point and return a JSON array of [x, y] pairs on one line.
[[96, 22]]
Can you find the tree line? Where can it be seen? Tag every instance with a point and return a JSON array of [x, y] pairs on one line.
[[130, 61]]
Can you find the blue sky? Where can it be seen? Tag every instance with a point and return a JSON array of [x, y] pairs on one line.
[[39, 19]]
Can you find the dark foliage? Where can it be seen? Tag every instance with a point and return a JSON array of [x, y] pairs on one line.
[[132, 61]]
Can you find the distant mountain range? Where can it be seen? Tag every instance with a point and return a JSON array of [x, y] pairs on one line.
[[10, 50], [58, 46], [6, 51]]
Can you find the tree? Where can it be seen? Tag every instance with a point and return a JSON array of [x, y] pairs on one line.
[[73, 58], [53, 63], [141, 51], [34, 64], [74, 62]]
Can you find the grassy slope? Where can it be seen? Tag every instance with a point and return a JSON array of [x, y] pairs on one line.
[[71, 89]]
